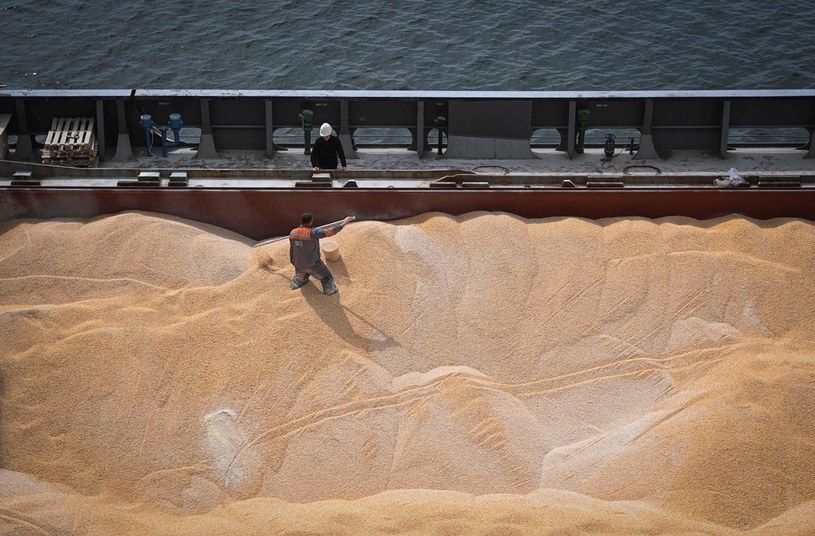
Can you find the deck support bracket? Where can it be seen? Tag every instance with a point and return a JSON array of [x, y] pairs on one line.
[[24, 150], [206, 147], [345, 132], [123, 149], [647, 150], [419, 136], [725, 128], [572, 132]]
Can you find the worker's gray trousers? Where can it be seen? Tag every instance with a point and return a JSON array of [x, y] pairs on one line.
[[319, 271]]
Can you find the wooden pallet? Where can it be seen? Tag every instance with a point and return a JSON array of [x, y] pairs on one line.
[[71, 141]]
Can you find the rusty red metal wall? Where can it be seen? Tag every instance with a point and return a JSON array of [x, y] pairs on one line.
[[260, 214]]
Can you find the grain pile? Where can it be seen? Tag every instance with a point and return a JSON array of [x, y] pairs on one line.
[[482, 374]]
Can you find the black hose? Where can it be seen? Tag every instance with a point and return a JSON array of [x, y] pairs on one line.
[[502, 168], [626, 168]]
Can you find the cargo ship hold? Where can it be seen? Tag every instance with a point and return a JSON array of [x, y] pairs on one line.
[[557, 313]]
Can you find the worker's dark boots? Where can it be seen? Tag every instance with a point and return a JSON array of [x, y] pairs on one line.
[[297, 283], [329, 287]]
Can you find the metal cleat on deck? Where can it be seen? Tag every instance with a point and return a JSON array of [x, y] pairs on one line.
[[24, 178]]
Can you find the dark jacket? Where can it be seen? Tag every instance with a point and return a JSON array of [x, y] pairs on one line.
[[324, 153], [304, 244]]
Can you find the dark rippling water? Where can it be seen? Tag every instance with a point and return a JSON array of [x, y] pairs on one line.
[[373, 44]]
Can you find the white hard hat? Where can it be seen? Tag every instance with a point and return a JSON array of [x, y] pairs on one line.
[[325, 130]]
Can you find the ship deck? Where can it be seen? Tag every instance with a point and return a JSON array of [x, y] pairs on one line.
[[399, 168]]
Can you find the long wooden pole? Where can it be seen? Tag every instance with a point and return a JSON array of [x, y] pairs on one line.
[[277, 238]]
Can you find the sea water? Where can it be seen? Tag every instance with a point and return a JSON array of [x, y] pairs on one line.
[[509, 45]]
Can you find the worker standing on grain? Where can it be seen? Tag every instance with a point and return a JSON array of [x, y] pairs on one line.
[[304, 253]]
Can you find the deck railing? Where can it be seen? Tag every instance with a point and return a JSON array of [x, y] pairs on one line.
[[475, 124]]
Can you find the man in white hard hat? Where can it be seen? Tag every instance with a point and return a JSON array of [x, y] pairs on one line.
[[326, 150]]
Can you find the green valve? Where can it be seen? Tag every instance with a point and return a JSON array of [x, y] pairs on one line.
[[307, 120]]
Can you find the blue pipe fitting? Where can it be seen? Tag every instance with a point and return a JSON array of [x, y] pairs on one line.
[[175, 124], [175, 121]]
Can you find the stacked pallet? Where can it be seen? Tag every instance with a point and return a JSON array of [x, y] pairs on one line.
[[71, 141]]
